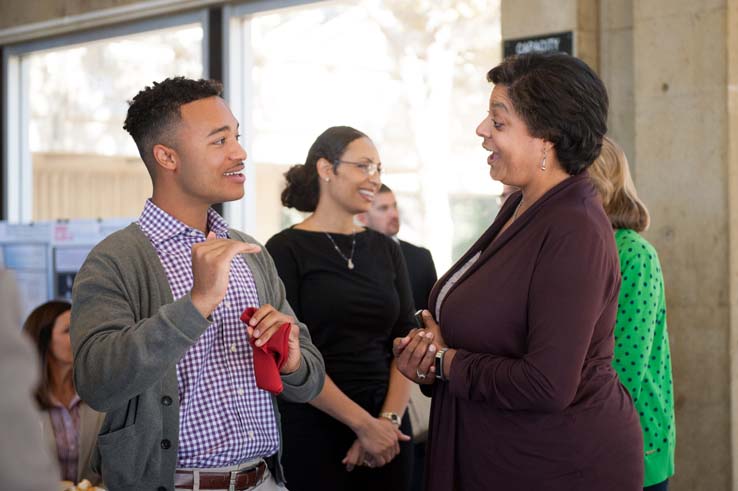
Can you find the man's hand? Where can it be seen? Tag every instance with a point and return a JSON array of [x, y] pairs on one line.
[[265, 322], [211, 266]]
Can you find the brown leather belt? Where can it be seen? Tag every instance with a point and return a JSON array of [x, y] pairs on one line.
[[236, 480]]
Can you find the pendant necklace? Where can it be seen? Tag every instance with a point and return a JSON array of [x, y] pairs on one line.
[[349, 260], [517, 209]]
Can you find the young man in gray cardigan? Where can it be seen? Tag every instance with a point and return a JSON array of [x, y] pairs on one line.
[[158, 343]]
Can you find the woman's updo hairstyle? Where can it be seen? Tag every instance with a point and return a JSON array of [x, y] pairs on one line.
[[561, 100], [303, 189]]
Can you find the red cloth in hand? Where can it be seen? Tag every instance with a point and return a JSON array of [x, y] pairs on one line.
[[269, 357]]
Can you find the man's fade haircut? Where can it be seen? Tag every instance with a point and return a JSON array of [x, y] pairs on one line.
[[154, 111]]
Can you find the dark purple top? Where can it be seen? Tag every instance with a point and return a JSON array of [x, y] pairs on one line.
[[533, 401]]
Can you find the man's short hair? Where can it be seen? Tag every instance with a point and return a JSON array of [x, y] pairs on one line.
[[154, 112], [384, 189]]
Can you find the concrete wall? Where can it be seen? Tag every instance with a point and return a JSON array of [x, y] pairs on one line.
[[732, 129], [681, 141], [665, 63], [616, 70]]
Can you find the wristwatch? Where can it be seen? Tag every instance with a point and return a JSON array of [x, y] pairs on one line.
[[393, 418], [439, 364]]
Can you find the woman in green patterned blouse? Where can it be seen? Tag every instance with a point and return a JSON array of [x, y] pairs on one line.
[[642, 357]]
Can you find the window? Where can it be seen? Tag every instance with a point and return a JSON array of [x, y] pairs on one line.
[[68, 155], [411, 75]]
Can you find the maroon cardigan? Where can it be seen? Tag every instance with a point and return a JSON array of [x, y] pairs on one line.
[[532, 401]]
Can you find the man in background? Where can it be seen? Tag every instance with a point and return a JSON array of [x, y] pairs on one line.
[[384, 217]]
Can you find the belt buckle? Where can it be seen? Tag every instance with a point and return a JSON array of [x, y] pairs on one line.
[[232, 483]]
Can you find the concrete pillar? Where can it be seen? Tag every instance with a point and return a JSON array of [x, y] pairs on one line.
[[673, 84], [616, 70], [680, 52], [732, 165]]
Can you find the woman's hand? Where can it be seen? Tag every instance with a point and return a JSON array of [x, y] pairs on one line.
[[431, 326], [434, 329], [355, 456], [415, 354], [380, 438]]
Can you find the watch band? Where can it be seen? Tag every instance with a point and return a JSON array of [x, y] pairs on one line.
[[438, 363], [393, 418]]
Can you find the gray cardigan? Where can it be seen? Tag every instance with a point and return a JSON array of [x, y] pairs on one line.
[[128, 334]]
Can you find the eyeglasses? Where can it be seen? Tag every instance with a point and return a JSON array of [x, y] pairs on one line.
[[369, 168]]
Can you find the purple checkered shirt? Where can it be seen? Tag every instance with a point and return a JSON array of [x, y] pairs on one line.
[[65, 423], [225, 419]]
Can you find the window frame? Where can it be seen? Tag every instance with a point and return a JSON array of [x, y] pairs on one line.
[[16, 191], [243, 214]]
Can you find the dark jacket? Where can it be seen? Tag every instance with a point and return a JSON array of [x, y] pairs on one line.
[[421, 271], [533, 401]]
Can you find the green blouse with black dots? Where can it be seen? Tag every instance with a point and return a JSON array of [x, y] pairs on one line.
[[642, 357]]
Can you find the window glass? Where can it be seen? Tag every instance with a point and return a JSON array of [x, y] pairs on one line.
[[409, 74], [84, 164]]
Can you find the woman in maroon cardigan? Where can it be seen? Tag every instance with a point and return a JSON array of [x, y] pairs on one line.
[[517, 346]]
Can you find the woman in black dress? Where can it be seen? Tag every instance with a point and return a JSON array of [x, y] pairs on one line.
[[350, 286]]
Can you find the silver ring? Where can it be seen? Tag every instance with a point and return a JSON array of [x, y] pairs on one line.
[[421, 376]]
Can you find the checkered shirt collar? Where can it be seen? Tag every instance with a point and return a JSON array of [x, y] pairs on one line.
[[159, 226]]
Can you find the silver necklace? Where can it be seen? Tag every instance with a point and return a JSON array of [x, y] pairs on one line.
[[349, 260], [517, 209]]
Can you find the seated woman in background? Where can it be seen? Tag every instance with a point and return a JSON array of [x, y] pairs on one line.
[[642, 357], [70, 425], [350, 286]]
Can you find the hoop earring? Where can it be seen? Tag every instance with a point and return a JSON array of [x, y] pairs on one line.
[[543, 162]]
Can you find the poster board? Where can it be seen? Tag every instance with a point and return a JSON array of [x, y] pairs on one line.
[[45, 256]]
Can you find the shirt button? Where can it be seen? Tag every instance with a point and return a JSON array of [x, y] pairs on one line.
[[251, 434], [241, 392], [166, 444], [227, 304], [166, 400], [234, 348]]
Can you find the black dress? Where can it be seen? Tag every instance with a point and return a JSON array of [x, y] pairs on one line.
[[353, 315]]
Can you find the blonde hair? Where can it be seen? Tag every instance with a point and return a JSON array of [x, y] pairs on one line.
[[611, 177]]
